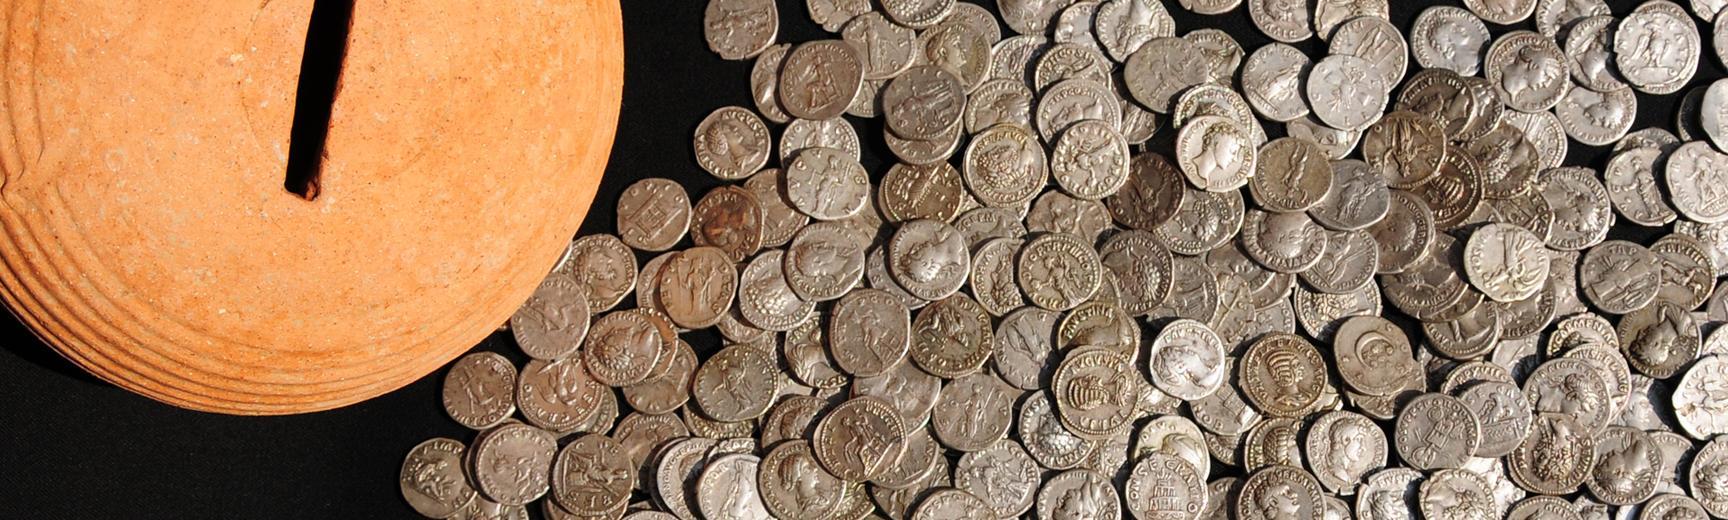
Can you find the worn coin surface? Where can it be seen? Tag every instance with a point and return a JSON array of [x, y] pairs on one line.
[[512, 464], [432, 478], [1436, 431]]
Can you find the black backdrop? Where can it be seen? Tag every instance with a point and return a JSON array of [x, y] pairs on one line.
[[74, 447]]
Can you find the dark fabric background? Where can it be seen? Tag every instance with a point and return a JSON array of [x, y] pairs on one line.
[[74, 447]]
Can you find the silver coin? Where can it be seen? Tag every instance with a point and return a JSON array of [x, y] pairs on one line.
[[1030, 16], [1346, 93], [1456, 493], [1215, 154], [1657, 47], [1570, 387], [728, 488], [1708, 475], [1074, 24], [1286, 21], [1223, 55], [1697, 177], [928, 258], [1078, 494], [1283, 242], [559, 396], [1375, 39], [1175, 436], [1582, 209], [1329, 15], [1436, 431], [1292, 175], [1528, 70], [1279, 492], [886, 49], [1506, 262], [998, 101], [1631, 182], [1002, 474], [1448, 37], [478, 390], [955, 504], [1698, 412], [1343, 447], [958, 49], [994, 281], [1005, 165], [1058, 271], [1142, 267], [511, 463], [1057, 212], [859, 439], [923, 103], [696, 287], [432, 479], [1162, 68], [1123, 26], [1072, 101], [625, 347], [869, 332], [1389, 494], [951, 337], [819, 79], [740, 29], [1659, 339], [824, 262], [1090, 160], [1672, 506], [1023, 347], [1595, 118], [1619, 276], [1163, 486], [1273, 80], [793, 485], [653, 214], [732, 143], [1187, 360], [1205, 221]]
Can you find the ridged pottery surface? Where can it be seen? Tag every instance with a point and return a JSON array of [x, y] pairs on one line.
[[148, 236]]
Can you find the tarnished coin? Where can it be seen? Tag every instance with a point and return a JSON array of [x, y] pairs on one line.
[[739, 29], [1215, 154], [1279, 492], [737, 383], [1343, 447], [869, 333], [592, 475], [859, 439], [1073, 101], [665, 394], [1078, 494], [604, 268], [623, 349], [696, 286], [1070, 61], [1164, 487], [1346, 93], [1049, 442], [559, 396], [1437, 431], [653, 214], [1023, 347], [1291, 175], [432, 479], [952, 337], [794, 485], [1273, 80], [1187, 360], [1057, 212], [1374, 355], [993, 279], [1205, 221], [1142, 267], [730, 218], [825, 261], [1150, 196], [1282, 375], [1543, 507], [1351, 260], [512, 463], [766, 298], [1406, 147], [974, 411]]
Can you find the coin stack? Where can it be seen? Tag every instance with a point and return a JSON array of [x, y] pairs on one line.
[[1118, 271]]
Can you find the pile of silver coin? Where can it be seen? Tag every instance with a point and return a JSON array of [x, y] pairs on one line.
[[1096, 283]]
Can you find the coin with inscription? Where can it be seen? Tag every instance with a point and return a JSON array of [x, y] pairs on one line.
[[736, 383], [1282, 374], [512, 463], [478, 390], [859, 439], [1436, 431], [739, 29], [1164, 487], [432, 478], [1187, 360], [1279, 492]]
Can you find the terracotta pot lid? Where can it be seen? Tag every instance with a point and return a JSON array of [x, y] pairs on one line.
[[148, 234]]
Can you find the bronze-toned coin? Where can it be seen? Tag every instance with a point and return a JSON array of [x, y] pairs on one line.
[[859, 439]]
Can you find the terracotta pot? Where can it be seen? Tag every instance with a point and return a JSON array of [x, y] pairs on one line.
[[148, 236]]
